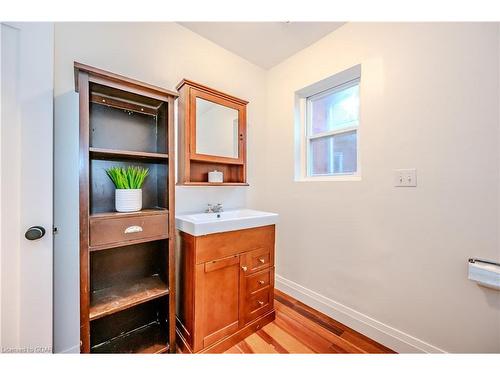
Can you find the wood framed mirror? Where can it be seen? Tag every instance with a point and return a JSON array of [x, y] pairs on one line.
[[212, 135]]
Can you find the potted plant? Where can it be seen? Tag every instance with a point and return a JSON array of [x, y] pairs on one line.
[[128, 183]]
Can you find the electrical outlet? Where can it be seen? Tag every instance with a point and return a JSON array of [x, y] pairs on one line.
[[405, 177]]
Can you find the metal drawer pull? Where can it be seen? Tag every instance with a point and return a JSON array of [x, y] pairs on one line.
[[133, 229], [261, 282], [262, 260], [244, 268], [260, 303]]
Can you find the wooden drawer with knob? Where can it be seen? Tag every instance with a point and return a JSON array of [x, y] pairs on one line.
[[257, 260], [258, 304], [258, 281], [120, 229]]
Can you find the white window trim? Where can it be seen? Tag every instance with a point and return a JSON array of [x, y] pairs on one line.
[[331, 84]]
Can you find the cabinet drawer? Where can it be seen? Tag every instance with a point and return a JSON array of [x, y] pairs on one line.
[[258, 281], [258, 259], [220, 245], [258, 304], [118, 230]]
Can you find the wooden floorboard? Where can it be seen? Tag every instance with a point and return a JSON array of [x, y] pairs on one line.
[[271, 341], [258, 345], [286, 339], [244, 347], [298, 328], [336, 342]]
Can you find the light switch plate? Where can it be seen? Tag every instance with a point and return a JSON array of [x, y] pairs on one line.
[[405, 177]]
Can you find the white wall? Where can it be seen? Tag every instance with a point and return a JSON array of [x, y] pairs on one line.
[[395, 258], [157, 53]]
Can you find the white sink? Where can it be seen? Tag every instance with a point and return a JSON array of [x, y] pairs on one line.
[[207, 223]]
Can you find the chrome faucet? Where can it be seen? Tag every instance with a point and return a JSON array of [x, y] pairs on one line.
[[214, 209]]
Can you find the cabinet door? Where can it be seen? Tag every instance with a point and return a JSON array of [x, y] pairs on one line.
[[217, 300]]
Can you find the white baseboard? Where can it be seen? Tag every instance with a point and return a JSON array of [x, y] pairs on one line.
[[380, 332]]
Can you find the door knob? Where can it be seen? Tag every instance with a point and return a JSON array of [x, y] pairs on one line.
[[34, 233]]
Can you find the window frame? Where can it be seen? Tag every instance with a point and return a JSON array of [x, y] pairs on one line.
[[309, 136], [303, 125]]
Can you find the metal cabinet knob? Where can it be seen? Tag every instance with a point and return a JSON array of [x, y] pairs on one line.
[[262, 260], [244, 268], [34, 233], [261, 282], [260, 303]]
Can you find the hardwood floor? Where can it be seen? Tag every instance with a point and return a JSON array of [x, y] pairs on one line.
[[299, 328]]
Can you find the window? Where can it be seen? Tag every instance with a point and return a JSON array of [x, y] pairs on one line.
[[331, 127], [328, 125]]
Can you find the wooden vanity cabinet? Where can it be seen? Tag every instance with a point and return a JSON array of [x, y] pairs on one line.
[[225, 287]]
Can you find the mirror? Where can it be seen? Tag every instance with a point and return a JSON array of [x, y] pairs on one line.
[[216, 129]]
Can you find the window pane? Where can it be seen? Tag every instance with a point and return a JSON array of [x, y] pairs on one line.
[[334, 154], [335, 111]]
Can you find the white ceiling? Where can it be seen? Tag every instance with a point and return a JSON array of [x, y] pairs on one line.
[[265, 44]]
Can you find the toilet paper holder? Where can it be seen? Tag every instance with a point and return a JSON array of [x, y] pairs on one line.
[[484, 272], [474, 260]]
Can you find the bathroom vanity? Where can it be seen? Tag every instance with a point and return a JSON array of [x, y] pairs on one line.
[[225, 278]]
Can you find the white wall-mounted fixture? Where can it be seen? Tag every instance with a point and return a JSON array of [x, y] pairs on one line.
[[485, 273], [405, 177]]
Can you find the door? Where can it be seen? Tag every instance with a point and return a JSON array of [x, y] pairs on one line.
[[26, 92], [216, 300]]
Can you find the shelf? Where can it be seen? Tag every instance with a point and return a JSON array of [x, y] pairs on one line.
[[110, 154], [115, 215], [114, 245], [120, 297], [213, 184], [149, 339], [215, 159], [124, 104]]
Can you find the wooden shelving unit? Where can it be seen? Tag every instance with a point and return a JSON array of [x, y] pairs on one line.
[[127, 281]]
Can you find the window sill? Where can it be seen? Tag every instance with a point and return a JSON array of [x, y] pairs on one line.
[[329, 178]]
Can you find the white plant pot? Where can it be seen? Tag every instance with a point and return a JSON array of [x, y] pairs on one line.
[[128, 200]]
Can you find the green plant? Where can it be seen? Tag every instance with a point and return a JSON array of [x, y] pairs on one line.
[[127, 178]]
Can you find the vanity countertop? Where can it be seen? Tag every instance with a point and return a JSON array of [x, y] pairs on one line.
[[199, 224]]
